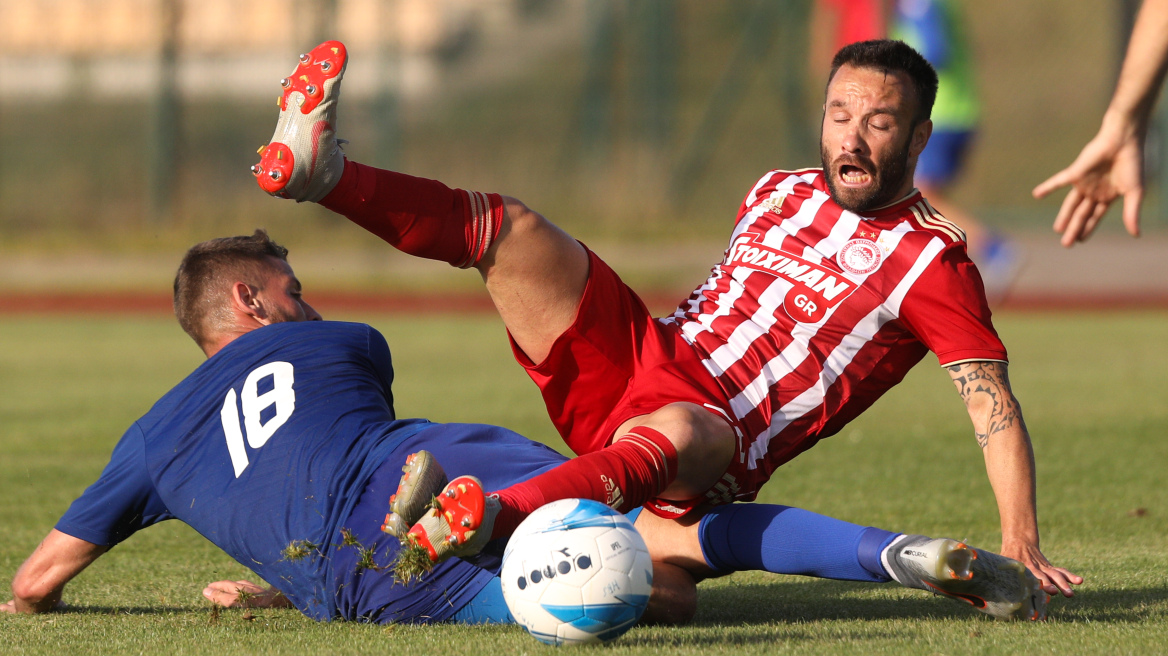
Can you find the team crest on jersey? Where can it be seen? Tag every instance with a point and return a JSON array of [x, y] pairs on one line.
[[815, 290], [860, 257]]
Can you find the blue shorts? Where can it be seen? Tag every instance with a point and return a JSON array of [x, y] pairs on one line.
[[499, 458], [943, 157]]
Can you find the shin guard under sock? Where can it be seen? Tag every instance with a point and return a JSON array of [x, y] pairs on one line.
[[787, 540], [418, 216], [625, 475]]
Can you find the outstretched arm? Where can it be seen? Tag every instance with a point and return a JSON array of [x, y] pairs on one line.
[[1009, 459], [1112, 164], [39, 582]]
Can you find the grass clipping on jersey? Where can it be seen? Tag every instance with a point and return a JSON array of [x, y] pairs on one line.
[[412, 563], [299, 550], [413, 560]]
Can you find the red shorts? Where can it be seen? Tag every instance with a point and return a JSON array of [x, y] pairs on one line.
[[617, 362]]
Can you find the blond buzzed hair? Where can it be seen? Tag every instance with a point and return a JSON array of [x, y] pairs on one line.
[[202, 286]]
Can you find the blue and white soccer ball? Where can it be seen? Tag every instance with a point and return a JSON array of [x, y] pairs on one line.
[[576, 572]]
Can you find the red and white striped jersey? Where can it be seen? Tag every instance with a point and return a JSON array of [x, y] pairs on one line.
[[814, 311]]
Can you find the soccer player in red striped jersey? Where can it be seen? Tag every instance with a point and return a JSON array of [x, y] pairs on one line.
[[835, 283]]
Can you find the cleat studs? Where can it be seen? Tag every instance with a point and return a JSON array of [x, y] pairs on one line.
[[260, 150], [305, 58], [326, 66], [275, 175], [449, 494], [311, 89], [392, 498], [452, 539], [285, 83], [465, 522], [280, 155], [280, 102], [257, 169]]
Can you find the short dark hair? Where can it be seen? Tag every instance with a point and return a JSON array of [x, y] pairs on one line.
[[209, 268], [893, 56]]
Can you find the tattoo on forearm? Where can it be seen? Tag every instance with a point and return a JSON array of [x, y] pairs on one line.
[[979, 381]]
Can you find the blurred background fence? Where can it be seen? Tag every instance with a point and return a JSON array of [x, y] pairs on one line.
[[129, 125]]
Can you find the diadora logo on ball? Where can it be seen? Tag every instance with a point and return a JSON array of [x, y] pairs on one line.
[[561, 567], [815, 290], [860, 257]]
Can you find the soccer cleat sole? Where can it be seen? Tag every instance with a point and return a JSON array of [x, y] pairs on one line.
[[461, 523], [993, 584], [422, 480], [315, 79]]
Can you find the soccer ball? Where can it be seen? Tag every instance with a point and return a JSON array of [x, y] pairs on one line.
[[576, 572]]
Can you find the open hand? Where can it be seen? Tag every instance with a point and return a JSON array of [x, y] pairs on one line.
[[244, 594], [1110, 165], [1055, 580]]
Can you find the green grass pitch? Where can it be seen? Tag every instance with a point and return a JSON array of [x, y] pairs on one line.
[[1092, 385]]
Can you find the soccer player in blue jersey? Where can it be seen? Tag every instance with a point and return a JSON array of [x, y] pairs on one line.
[[283, 450], [275, 449]]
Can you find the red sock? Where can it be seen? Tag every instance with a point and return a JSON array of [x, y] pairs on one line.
[[418, 216], [625, 475]]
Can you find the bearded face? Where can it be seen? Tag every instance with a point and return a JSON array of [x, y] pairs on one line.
[[866, 184], [869, 140]]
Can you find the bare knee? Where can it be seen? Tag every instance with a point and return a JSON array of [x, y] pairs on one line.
[[534, 251], [523, 224], [519, 218], [704, 442], [694, 431], [520, 223]]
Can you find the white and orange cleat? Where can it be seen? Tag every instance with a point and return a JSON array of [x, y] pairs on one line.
[[304, 159], [993, 584], [423, 479]]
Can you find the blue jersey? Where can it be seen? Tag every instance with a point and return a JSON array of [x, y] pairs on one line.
[[271, 442]]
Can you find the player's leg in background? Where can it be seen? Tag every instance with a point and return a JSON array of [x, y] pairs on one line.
[[642, 465], [677, 452], [772, 538], [786, 540], [534, 271]]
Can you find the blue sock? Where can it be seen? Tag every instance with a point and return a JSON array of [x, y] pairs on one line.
[[787, 540]]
